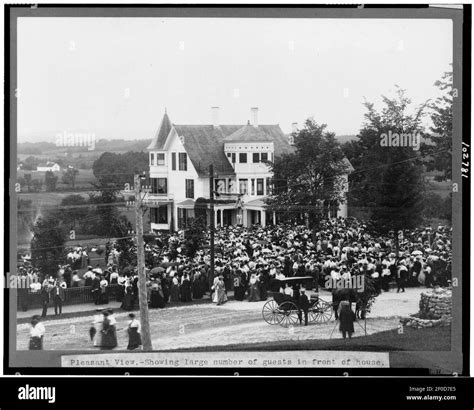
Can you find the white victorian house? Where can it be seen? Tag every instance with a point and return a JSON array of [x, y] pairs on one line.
[[180, 156]]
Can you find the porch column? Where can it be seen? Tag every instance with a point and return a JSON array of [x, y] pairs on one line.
[[245, 217], [263, 218], [274, 218]]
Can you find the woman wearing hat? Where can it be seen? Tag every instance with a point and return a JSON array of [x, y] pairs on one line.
[[108, 333], [156, 297], [37, 331], [346, 318], [174, 289], [253, 288], [220, 291], [134, 338], [185, 289]]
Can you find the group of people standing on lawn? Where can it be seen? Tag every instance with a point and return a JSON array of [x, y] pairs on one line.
[[102, 333]]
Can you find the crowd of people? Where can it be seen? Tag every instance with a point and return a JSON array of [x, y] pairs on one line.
[[253, 261], [250, 261]]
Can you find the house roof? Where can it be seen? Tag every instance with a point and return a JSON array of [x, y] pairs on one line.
[[255, 202], [205, 143], [205, 146], [249, 133], [159, 139], [186, 203], [348, 164]]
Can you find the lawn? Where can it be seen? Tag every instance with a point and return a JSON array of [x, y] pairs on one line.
[[429, 339], [84, 179]]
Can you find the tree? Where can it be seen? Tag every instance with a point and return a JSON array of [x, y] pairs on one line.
[[31, 163], [309, 180], [388, 179], [36, 185], [76, 211], [107, 220], [69, 177], [50, 181], [439, 151], [47, 245], [117, 170], [27, 178]]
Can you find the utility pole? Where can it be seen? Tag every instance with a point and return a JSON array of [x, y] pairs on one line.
[[142, 291], [211, 205]]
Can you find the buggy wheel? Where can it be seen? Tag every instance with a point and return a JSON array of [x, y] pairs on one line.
[[289, 314], [320, 312], [271, 313]]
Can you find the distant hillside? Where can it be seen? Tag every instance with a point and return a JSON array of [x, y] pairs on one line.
[[345, 138], [42, 148], [122, 145]]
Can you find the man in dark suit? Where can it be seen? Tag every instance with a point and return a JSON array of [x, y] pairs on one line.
[[303, 306], [96, 289], [45, 299], [58, 293]]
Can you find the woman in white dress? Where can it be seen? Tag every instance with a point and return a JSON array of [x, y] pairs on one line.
[[253, 288], [37, 332], [214, 287]]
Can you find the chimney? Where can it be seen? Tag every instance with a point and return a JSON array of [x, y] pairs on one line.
[[294, 127], [254, 116], [215, 116]]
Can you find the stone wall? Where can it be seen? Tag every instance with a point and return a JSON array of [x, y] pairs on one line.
[[435, 310]]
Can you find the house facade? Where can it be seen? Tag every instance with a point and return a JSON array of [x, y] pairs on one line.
[[180, 156], [49, 166]]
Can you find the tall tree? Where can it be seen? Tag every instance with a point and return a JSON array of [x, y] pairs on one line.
[[69, 176], [50, 181], [47, 245], [439, 151], [309, 180], [389, 179], [76, 212], [28, 182], [117, 170]]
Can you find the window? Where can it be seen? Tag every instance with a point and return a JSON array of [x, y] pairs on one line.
[[160, 159], [229, 155], [159, 185], [260, 186], [252, 187], [162, 214], [232, 186], [243, 186], [220, 186], [243, 158], [233, 157], [173, 161], [256, 157], [162, 186], [152, 159], [269, 186], [183, 161], [185, 217], [264, 157], [189, 188], [159, 215]]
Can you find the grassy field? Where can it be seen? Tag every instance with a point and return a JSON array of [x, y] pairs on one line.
[[429, 339], [84, 179]]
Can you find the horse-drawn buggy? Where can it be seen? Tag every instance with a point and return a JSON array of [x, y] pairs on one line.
[[284, 310]]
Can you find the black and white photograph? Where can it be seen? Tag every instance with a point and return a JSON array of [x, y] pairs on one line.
[[237, 191]]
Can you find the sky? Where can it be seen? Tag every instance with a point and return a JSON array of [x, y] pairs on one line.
[[114, 77]]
